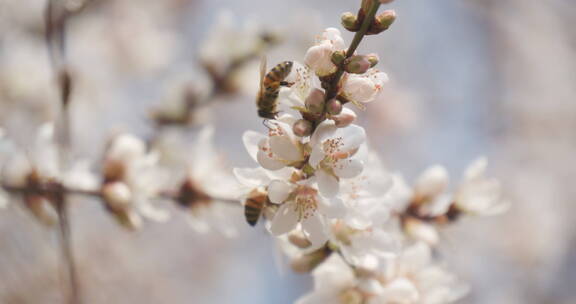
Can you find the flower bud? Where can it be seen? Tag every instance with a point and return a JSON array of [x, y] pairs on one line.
[[315, 101], [308, 262], [382, 22], [302, 128], [431, 183], [421, 231], [117, 195], [338, 57], [373, 59], [334, 107], [357, 64], [344, 119], [350, 22], [298, 239]]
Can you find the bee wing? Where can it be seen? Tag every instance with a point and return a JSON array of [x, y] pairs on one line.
[[262, 72]]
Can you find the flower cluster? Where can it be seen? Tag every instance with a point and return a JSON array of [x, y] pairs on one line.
[[366, 236], [130, 185]]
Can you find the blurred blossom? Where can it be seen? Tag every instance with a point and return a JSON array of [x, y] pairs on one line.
[[132, 181]]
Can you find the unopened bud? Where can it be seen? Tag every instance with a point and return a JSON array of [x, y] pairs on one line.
[[117, 195], [344, 119], [357, 64], [421, 231], [338, 57], [373, 59], [308, 262], [350, 22], [315, 101], [382, 22], [334, 107], [302, 128]]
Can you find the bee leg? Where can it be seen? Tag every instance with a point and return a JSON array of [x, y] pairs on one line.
[[266, 123], [286, 83]]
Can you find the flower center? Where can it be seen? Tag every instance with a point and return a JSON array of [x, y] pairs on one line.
[[276, 131], [305, 203]]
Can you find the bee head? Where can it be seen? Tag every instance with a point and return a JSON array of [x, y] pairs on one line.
[[266, 114]]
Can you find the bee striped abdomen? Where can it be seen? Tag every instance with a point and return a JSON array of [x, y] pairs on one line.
[[270, 88], [278, 73], [253, 207]]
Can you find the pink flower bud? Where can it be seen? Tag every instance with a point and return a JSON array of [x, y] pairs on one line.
[[363, 88], [334, 107], [117, 195], [298, 239], [302, 128], [315, 101], [344, 119], [357, 64], [319, 57]]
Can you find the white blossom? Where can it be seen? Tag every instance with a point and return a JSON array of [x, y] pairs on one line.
[[279, 149], [478, 194], [208, 176], [302, 204], [128, 162], [364, 88], [412, 277], [332, 155], [363, 195], [319, 56]]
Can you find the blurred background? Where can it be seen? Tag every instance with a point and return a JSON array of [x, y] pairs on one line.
[[468, 78]]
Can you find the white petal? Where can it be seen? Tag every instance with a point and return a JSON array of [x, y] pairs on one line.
[[400, 290], [327, 184], [325, 130], [278, 191], [285, 148], [353, 136], [268, 163], [153, 213], [334, 208], [416, 257], [251, 177], [422, 231], [332, 275], [476, 169], [285, 220], [251, 140], [315, 230], [432, 181], [316, 156], [265, 157], [348, 168]]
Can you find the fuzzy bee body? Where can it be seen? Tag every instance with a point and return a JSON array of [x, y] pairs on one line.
[[254, 205], [270, 87]]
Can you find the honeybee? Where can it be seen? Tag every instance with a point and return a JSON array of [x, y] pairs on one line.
[[270, 87], [255, 203]]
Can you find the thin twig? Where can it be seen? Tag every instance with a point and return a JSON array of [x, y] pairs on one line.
[[332, 85], [56, 44]]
